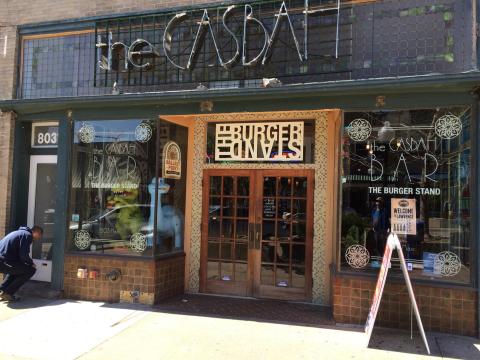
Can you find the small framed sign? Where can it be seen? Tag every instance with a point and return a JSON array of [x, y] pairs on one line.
[[172, 161], [45, 135]]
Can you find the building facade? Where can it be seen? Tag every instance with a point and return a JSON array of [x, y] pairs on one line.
[[258, 149]]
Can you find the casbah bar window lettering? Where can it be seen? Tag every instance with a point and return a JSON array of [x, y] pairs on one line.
[[407, 172], [127, 187]]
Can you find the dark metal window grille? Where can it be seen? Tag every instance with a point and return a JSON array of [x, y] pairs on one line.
[[386, 38]]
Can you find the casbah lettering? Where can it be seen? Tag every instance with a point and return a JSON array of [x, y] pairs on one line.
[[136, 52]]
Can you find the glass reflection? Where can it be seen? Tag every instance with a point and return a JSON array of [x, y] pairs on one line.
[[242, 230], [282, 276], [243, 186], [269, 186], [213, 270], [300, 187], [267, 274], [242, 207], [215, 185], [241, 272], [228, 185], [285, 187], [213, 250]]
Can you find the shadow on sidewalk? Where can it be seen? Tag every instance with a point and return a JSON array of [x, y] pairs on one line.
[[290, 313], [260, 310]]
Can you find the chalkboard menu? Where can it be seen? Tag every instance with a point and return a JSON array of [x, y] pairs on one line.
[[269, 208]]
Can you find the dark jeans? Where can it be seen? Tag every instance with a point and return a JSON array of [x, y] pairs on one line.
[[16, 274]]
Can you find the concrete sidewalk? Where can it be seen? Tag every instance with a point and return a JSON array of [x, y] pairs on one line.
[[65, 330]]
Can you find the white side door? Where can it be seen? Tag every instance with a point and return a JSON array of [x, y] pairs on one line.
[[41, 211]]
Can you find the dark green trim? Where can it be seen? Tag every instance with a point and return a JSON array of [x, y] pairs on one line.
[[475, 173], [20, 176], [354, 95], [61, 212]]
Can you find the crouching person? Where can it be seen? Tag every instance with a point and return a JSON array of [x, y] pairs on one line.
[[15, 261]]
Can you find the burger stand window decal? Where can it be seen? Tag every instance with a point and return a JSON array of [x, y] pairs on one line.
[[408, 172]]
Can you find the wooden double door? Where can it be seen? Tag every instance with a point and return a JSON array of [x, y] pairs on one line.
[[257, 233]]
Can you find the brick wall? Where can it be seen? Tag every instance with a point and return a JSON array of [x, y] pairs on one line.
[[160, 279], [444, 310]]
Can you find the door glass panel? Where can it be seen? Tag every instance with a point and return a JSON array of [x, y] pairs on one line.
[[215, 185], [283, 253], [242, 230], [214, 206], [299, 209], [228, 206], [284, 209], [228, 225], [213, 252], [44, 216], [214, 228], [269, 186], [226, 251], [243, 186], [283, 230], [227, 228], [227, 271], [268, 230], [300, 187], [213, 270], [285, 187], [241, 271], [298, 277], [268, 252], [267, 275], [282, 278], [269, 208], [284, 234], [241, 251], [299, 231], [298, 254], [242, 207], [227, 185]]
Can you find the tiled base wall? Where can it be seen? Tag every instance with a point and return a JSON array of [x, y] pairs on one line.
[[444, 310], [169, 277], [157, 279]]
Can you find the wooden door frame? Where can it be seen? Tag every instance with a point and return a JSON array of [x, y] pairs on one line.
[[218, 286], [266, 291], [253, 287]]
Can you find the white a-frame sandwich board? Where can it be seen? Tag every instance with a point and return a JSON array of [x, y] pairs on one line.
[[392, 243]]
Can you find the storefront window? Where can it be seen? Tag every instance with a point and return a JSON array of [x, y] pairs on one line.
[[127, 187], [407, 172]]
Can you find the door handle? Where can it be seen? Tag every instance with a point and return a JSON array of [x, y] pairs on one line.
[[257, 236], [251, 236]]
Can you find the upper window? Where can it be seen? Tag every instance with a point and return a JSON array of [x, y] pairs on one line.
[[263, 43], [128, 187], [408, 172]]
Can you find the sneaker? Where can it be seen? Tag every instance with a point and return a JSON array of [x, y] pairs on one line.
[[8, 298]]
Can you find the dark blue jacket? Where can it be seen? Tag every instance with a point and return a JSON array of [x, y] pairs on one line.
[[15, 247]]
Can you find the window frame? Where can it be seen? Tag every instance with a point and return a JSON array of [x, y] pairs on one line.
[[397, 276]]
